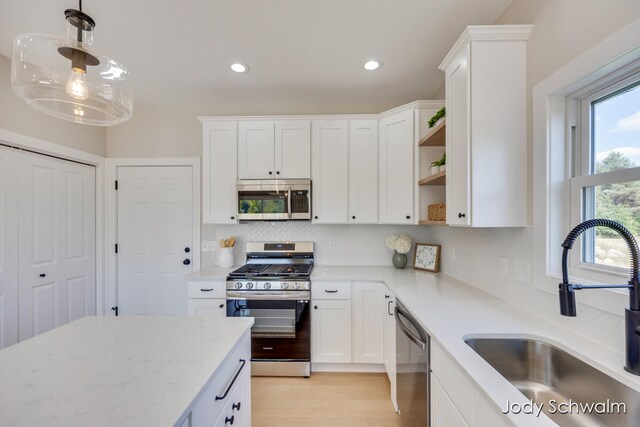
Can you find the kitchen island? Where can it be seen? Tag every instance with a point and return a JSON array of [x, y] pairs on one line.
[[129, 371]]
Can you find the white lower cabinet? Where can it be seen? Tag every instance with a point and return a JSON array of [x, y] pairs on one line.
[[367, 304], [207, 299], [331, 331], [443, 411]]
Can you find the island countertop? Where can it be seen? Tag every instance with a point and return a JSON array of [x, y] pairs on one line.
[[106, 371]]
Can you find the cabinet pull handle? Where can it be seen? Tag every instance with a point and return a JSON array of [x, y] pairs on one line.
[[43, 275], [389, 312], [331, 292], [386, 297], [221, 305], [229, 420], [206, 289], [461, 215], [236, 406], [230, 384], [233, 217], [408, 216]]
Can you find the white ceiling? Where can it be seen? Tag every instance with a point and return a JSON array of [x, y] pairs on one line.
[[305, 56]]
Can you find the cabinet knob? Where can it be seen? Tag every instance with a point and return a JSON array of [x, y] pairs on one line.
[[277, 172], [186, 261], [236, 406], [461, 215], [221, 305], [229, 420], [315, 307], [43, 275], [353, 217], [233, 217], [315, 217], [408, 216], [270, 173]]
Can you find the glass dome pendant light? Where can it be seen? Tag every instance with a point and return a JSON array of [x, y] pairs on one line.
[[66, 78]]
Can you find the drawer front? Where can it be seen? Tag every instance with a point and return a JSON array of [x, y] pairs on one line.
[[207, 290], [207, 409], [330, 290]]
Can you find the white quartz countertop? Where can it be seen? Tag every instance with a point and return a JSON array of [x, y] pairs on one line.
[[451, 310], [106, 371], [210, 274]]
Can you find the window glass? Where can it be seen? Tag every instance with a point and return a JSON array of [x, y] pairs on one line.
[[616, 131]]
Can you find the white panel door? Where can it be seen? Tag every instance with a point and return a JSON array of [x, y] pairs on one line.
[[329, 171], [56, 244], [256, 150], [368, 322], [363, 171], [396, 169], [293, 149], [331, 331], [458, 207], [220, 172], [155, 205], [8, 247]]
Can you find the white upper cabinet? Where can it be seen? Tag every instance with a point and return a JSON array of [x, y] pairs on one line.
[[329, 153], [219, 172], [485, 84], [256, 150], [396, 176], [363, 171], [293, 149], [268, 149]]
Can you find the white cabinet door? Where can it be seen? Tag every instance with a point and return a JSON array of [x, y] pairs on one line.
[[329, 171], [331, 331], [212, 307], [396, 175], [219, 172], [458, 212], [8, 247], [363, 171], [57, 281], [368, 322], [256, 150], [155, 214], [443, 411], [293, 149], [390, 342]]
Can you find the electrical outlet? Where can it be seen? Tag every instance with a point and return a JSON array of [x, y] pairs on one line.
[[503, 267], [521, 271], [209, 246], [332, 246]]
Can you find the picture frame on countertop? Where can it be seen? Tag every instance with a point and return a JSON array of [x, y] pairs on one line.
[[427, 257]]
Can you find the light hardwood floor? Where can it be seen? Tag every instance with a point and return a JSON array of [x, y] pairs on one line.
[[325, 399]]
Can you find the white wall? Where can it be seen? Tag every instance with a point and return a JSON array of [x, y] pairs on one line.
[[17, 116], [562, 31], [354, 244]]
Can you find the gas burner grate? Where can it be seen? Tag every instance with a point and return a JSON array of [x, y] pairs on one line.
[[250, 269]]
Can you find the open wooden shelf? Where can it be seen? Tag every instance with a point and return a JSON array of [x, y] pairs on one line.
[[435, 136], [435, 179], [427, 222]]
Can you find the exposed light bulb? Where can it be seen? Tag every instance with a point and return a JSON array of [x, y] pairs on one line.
[[372, 65], [239, 67], [77, 84]]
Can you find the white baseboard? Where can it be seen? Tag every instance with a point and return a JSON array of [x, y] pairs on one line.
[[347, 367]]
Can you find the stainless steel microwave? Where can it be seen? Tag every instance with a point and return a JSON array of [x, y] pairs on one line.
[[274, 199]]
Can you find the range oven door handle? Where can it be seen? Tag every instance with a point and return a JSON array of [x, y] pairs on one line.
[[247, 295], [419, 341]]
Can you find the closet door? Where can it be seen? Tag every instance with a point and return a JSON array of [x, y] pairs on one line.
[[56, 243], [8, 246]]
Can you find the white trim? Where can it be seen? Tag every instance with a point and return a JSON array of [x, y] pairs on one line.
[[551, 160], [348, 367], [420, 104], [48, 148], [112, 165]]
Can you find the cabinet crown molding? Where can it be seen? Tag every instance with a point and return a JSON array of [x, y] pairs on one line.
[[485, 33]]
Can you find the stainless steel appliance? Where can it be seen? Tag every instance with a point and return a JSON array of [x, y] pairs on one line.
[[274, 288], [412, 369], [274, 199]]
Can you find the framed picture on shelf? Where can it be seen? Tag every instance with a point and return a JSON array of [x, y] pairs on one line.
[[427, 257]]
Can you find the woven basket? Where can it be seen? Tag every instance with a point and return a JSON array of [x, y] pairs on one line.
[[437, 212]]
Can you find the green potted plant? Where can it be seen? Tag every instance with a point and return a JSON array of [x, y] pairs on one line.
[[438, 165], [443, 162], [436, 118]]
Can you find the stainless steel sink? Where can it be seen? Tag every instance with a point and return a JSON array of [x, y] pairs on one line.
[[546, 374]]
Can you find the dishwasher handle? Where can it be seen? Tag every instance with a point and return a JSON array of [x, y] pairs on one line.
[[419, 341]]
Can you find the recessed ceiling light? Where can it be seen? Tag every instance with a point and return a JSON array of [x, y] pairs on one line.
[[239, 68], [372, 65]]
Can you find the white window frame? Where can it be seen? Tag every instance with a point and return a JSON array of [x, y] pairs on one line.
[[579, 130]]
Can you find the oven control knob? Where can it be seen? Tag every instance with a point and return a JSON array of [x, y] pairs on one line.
[[285, 285], [250, 285], [267, 285], [296, 285], [238, 285]]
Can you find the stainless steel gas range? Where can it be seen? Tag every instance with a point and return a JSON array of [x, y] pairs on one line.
[[274, 288]]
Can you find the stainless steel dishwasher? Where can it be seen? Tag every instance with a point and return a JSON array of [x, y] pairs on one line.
[[412, 369]]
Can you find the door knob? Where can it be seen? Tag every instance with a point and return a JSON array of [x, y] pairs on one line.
[[186, 261], [187, 249]]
